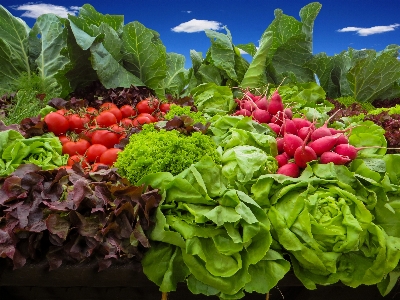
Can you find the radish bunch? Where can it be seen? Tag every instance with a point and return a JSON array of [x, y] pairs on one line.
[[261, 109], [298, 140], [327, 145]]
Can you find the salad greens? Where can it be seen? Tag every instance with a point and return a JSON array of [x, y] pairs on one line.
[[44, 151], [214, 237]]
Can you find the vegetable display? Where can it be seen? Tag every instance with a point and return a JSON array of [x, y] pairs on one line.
[[223, 177]]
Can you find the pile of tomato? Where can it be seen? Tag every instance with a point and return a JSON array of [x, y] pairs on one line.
[[88, 135]]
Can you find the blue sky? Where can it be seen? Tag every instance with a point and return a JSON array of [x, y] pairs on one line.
[[370, 24]]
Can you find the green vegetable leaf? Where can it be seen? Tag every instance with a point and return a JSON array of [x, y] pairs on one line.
[[249, 48], [372, 76], [14, 53], [145, 55], [176, 78], [222, 52]]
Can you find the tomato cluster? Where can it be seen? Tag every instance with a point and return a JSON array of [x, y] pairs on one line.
[[89, 135]]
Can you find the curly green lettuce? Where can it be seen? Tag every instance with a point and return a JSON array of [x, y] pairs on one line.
[[152, 151]]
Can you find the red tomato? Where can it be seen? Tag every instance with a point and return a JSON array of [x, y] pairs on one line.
[[105, 137], [78, 147], [110, 156], [118, 129], [159, 115], [147, 106], [62, 111], [94, 152], [78, 159], [56, 123], [128, 111], [88, 133], [77, 123], [165, 107], [91, 112], [64, 139], [139, 121], [106, 119], [107, 106], [151, 117], [116, 112], [126, 122]]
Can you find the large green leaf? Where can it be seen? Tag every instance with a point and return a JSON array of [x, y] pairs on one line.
[[14, 57], [222, 52], [51, 62], [373, 75], [255, 74], [144, 54], [176, 78]]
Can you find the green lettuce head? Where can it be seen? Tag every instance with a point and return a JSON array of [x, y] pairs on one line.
[[324, 222], [215, 238]]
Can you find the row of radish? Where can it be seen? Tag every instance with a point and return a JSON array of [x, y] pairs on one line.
[[298, 140], [89, 135]]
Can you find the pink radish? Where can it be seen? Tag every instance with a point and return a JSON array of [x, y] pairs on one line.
[[275, 127], [323, 144], [351, 151], [277, 119], [262, 116], [262, 103], [333, 157], [288, 127], [248, 105], [290, 169], [304, 154], [300, 123], [275, 103], [323, 130], [342, 139], [290, 143], [279, 144], [346, 150], [288, 113], [250, 95], [304, 131], [282, 159], [242, 112]]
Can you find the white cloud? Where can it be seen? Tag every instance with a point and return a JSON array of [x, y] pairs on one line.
[[371, 30], [187, 11], [197, 25], [242, 51], [34, 10]]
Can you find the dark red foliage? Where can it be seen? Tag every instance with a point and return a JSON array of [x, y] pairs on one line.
[[391, 123], [69, 216]]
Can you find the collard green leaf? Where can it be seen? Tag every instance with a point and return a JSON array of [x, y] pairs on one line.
[[249, 48], [144, 54], [51, 63], [109, 71], [14, 53], [255, 75], [177, 76], [209, 73], [197, 59], [372, 76], [222, 52]]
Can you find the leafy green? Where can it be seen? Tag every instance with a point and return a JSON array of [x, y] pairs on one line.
[[44, 151], [324, 220], [177, 110], [152, 151], [219, 236], [285, 48], [14, 53], [24, 105], [212, 99], [51, 62], [177, 76], [366, 75]]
